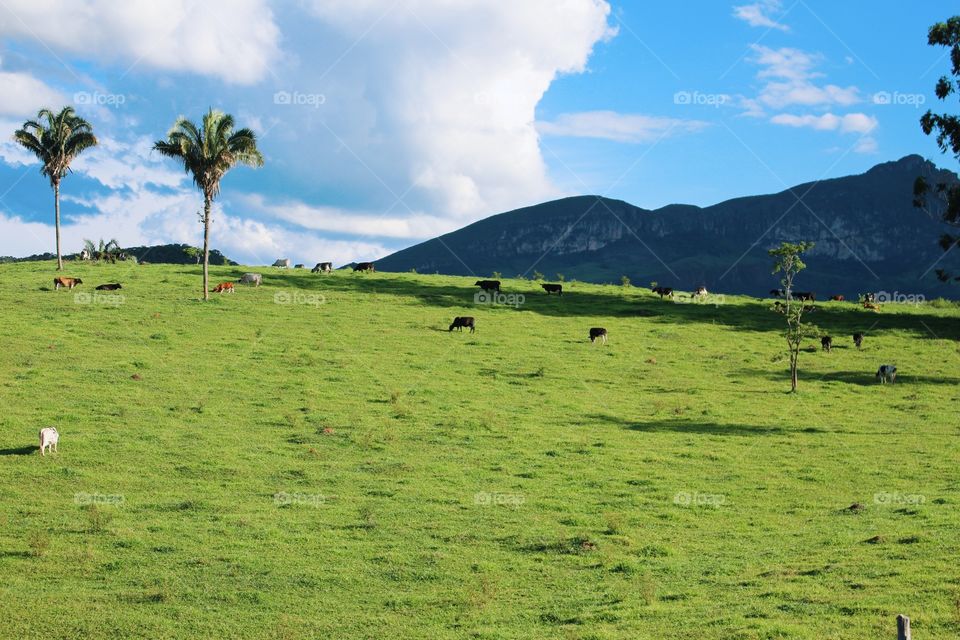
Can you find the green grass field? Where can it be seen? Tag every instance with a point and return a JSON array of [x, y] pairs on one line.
[[320, 458]]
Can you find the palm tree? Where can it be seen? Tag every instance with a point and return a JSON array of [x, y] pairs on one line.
[[208, 152], [105, 251], [56, 139]]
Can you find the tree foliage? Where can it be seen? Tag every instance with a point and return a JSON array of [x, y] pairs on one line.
[[946, 127], [787, 261]]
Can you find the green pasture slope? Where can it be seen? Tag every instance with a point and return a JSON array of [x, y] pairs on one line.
[[320, 458]]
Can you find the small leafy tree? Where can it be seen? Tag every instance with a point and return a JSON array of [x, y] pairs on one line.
[[788, 262], [560, 277], [537, 276], [625, 281], [947, 128]]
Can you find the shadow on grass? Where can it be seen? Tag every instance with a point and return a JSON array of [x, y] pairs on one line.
[[689, 426], [19, 451], [859, 378], [836, 319]]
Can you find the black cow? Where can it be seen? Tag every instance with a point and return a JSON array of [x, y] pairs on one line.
[[553, 288], [805, 295], [113, 286], [322, 267], [598, 333], [858, 340], [364, 266], [826, 343], [488, 285], [663, 291], [462, 321], [868, 297]]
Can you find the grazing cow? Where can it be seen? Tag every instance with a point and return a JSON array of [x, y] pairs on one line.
[[364, 266], [868, 297], [223, 286], [858, 340], [322, 267], [809, 296], [871, 305], [887, 373], [700, 292], [251, 278], [777, 293], [553, 288], [826, 343], [48, 439], [663, 291], [298, 266], [84, 255], [112, 286], [69, 283], [283, 263], [598, 333], [837, 298], [462, 321], [488, 285]]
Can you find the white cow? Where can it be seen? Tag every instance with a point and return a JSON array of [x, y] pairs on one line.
[[251, 278], [283, 263], [48, 439]]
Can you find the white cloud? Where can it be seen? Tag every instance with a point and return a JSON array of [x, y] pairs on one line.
[[758, 14], [866, 145], [620, 127], [23, 95], [235, 40], [790, 75], [848, 123]]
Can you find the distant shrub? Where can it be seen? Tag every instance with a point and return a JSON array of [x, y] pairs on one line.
[[560, 277], [497, 275], [943, 303], [625, 281], [537, 276]]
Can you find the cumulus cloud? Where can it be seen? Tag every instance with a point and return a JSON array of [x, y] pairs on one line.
[[23, 95], [759, 14], [235, 40], [620, 127]]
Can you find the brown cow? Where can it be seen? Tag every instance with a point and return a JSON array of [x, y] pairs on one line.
[[837, 298], [69, 283], [224, 286]]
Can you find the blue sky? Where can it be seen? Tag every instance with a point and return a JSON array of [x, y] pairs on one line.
[[386, 122]]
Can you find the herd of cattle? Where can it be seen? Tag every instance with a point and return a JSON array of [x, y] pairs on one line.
[[886, 373]]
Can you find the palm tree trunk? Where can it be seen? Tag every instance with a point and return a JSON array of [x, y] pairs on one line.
[[206, 247], [56, 208]]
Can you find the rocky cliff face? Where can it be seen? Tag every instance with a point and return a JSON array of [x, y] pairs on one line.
[[868, 234]]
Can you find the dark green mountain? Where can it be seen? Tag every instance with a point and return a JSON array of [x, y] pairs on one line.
[[869, 238]]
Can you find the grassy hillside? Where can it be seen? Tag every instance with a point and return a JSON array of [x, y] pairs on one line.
[[320, 458]]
